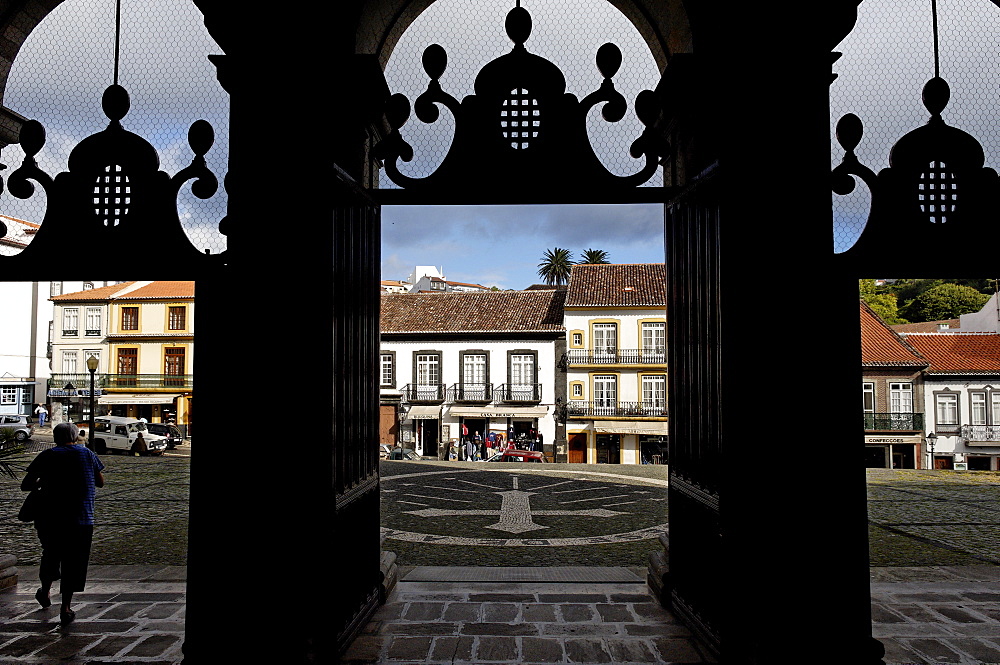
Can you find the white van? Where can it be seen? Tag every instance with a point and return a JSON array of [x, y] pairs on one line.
[[116, 433]]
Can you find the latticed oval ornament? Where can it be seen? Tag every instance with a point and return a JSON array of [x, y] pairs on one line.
[[937, 192], [520, 119], [112, 196]]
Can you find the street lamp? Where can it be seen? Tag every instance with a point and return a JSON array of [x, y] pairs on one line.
[[931, 440], [91, 367]]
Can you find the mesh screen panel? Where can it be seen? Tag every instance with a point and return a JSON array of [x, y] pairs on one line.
[[566, 32], [886, 61], [66, 63]]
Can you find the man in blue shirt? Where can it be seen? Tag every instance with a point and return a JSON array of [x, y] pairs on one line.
[[68, 476]]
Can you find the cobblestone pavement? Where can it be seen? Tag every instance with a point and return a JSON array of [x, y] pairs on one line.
[[141, 512], [934, 517]]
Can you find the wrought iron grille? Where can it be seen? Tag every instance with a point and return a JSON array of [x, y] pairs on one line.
[[885, 62], [894, 421], [63, 68], [481, 39]]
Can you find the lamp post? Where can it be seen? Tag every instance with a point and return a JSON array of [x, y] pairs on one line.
[[91, 367], [931, 440]]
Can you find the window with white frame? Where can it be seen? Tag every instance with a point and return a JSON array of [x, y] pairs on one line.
[[522, 370], [577, 390], [428, 369], [387, 366], [93, 321], [654, 393], [71, 321], [901, 398], [995, 406], [868, 395], [474, 368], [977, 408], [55, 288], [605, 393], [946, 409], [654, 340], [8, 394], [69, 359], [605, 341]]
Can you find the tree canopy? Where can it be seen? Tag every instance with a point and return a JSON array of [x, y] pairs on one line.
[[555, 266], [594, 256], [944, 301]]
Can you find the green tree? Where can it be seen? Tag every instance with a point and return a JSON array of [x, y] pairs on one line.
[[886, 305], [944, 301], [594, 256], [555, 266]]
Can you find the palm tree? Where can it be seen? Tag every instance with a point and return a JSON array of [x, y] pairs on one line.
[[555, 266], [594, 256]]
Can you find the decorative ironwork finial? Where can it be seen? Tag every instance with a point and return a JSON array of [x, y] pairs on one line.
[[935, 189], [113, 193], [520, 129]]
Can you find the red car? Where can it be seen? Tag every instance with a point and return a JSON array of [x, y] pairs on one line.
[[515, 455]]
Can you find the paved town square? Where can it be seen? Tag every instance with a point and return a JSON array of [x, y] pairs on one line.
[[515, 563]]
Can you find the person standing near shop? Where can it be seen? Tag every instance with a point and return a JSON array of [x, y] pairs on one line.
[[67, 475], [42, 413]]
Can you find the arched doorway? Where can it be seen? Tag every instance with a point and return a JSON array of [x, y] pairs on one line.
[[739, 569]]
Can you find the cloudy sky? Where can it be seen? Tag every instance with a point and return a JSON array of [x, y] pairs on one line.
[[58, 78]]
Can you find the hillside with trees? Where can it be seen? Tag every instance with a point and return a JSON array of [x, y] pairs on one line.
[[920, 300]]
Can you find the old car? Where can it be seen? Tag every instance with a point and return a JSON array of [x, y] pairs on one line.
[[116, 433], [170, 431]]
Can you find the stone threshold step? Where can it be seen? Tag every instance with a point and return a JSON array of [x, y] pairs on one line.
[[565, 574]]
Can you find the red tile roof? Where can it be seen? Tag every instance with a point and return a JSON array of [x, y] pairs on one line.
[[100, 293], [160, 290], [490, 311], [958, 352], [618, 285], [150, 291], [926, 326], [882, 347]]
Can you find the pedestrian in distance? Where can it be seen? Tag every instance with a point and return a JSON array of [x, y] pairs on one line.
[[42, 414], [67, 476], [139, 446]]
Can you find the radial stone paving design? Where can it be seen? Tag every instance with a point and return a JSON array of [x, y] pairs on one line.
[[519, 508]]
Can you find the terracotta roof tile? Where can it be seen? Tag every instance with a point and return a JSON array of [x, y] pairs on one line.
[[958, 352], [926, 326], [618, 284], [882, 347], [100, 293], [158, 290], [490, 311]]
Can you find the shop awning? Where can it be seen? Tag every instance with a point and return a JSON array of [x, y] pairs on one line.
[[499, 411], [424, 412], [137, 399], [655, 428]]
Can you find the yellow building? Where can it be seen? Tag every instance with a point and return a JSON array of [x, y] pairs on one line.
[[142, 335]]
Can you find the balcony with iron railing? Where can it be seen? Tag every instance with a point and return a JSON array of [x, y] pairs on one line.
[[605, 409], [519, 392], [123, 381], [894, 422], [613, 356], [433, 393], [987, 433], [470, 392]]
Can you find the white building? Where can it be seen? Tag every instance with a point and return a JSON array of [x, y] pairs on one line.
[[615, 320], [961, 388], [26, 335], [474, 362]]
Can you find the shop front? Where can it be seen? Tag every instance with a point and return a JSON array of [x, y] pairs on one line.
[[892, 452], [527, 427], [630, 441], [422, 429]]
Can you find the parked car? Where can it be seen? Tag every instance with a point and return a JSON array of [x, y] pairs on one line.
[[384, 451], [172, 432], [515, 455], [22, 426], [403, 454], [116, 433]]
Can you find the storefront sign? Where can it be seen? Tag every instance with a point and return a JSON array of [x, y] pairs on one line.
[[882, 440]]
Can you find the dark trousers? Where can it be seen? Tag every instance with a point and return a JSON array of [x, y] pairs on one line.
[[65, 554]]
